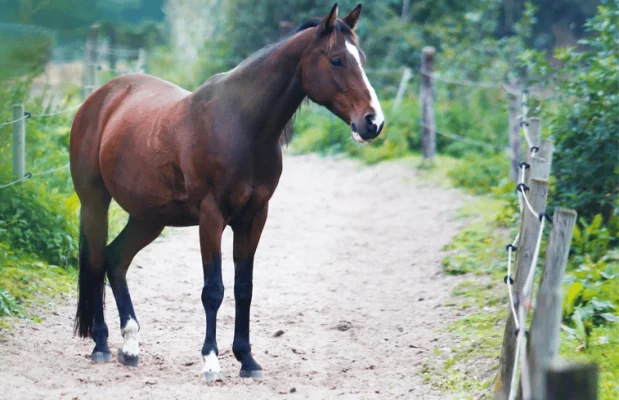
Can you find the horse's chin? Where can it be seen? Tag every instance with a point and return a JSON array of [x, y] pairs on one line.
[[357, 138]]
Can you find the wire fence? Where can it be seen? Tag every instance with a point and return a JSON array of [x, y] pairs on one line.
[[28, 115], [521, 303]]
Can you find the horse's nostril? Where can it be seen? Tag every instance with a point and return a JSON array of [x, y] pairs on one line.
[[354, 127], [369, 121]]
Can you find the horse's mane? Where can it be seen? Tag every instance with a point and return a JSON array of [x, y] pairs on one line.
[[340, 26]]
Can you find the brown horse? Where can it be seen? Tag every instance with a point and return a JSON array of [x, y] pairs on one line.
[[211, 158]]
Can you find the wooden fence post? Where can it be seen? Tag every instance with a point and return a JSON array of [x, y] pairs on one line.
[[529, 230], [535, 134], [541, 161], [428, 140], [19, 141], [514, 137], [543, 344], [571, 381], [406, 76]]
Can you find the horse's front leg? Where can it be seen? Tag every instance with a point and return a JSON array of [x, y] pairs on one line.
[[247, 233], [211, 228]]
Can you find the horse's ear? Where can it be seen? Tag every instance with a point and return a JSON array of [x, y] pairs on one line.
[[328, 23], [353, 16]]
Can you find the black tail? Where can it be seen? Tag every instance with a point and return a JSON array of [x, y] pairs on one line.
[[91, 285]]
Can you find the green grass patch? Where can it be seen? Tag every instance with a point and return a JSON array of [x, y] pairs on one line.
[[477, 254]]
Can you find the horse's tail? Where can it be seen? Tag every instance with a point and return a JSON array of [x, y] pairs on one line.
[[91, 284]]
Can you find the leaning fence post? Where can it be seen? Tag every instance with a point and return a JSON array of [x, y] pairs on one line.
[[142, 60], [543, 344], [19, 141], [571, 381], [428, 140], [91, 57], [529, 230], [514, 137], [406, 76]]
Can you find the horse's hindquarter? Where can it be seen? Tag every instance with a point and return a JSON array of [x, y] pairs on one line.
[[138, 155]]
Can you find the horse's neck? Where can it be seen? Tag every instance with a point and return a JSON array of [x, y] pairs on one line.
[[267, 89]]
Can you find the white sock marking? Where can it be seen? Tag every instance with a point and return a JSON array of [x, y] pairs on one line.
[[374, 103], [211, 363], [130, 335]]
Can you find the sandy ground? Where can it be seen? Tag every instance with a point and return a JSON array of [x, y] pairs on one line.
[[348, 268]]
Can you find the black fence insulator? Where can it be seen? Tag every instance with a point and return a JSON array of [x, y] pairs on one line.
[[534, 149], [27, 115], [511, 246], [524, 164], [544, 215], [521, 187], [511, 280], [27, 175], [524, 123]]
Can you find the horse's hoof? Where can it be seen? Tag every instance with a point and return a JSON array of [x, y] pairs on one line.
[[99, 357], [127, 360], [211, 376], [255, 374]]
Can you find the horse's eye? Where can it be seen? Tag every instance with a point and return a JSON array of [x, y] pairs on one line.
[[337, 62]]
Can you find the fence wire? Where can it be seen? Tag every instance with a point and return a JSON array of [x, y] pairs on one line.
[[462, 138]]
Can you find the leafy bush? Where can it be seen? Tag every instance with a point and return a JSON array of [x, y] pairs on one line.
[[590, 298], [586, 124], [482, 175], [38, 222]]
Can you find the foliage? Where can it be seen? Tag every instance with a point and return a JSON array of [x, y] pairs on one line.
[[594, 265], [585, 127], [38, 222], [481, 175]]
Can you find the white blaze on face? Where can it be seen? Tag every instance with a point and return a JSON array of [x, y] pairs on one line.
[[374, 103], [130, 336]]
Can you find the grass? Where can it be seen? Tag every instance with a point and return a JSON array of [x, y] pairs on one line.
[[27, 284], [470, 365]]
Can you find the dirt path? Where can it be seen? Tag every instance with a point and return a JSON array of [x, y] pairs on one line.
[[348, 267]]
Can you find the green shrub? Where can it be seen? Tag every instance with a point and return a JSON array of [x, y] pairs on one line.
[[37, 221], [482, 175], [585, 125]]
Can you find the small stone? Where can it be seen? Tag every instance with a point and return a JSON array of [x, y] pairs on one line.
[[343, 326], [278, 333], [293, 390]]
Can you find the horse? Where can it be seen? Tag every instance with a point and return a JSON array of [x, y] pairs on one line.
[[211, 157]]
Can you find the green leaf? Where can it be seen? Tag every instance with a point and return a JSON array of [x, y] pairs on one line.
[[573, 293], [601, 305], [610, 317]]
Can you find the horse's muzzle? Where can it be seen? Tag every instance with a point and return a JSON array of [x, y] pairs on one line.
[[367, 129]]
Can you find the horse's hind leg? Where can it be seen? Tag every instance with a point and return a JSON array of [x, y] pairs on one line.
[[118, 256], [89, 320]]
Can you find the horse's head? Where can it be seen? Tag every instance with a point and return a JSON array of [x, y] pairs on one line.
[[333, 75]]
